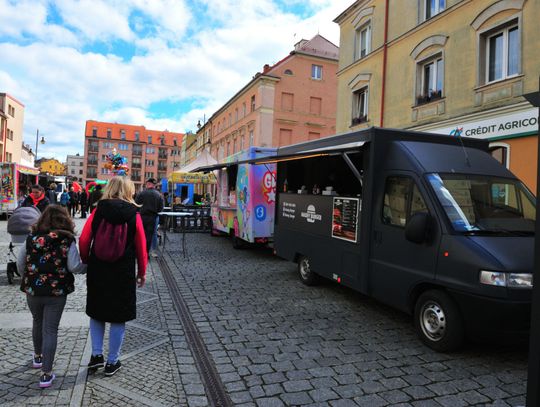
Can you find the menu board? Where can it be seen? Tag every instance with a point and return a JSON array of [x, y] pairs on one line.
[[345, 218]]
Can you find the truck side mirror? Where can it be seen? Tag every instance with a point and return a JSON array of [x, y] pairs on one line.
[[416, 230]]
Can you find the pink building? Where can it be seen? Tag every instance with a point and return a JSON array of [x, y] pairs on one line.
[[292, 101]]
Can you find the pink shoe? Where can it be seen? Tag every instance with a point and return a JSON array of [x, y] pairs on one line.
[[37, 361], [46, 380]]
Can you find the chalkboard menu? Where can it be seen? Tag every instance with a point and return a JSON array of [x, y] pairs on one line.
[[345, 218]]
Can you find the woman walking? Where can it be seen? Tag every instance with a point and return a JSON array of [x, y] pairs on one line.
[[111, 240], [48, 259]]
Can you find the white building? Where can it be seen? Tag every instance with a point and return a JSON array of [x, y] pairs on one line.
[[74, 166]]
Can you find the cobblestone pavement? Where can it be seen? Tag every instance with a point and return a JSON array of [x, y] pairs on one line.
[[275, 342]]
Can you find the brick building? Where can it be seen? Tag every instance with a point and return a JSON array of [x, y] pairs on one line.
[[150, 153], [291, 101]]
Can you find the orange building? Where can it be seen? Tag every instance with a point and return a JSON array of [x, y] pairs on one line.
[[150, 153], [292, 101]]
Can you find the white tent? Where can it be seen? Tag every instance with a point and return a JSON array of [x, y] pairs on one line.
[[202, 160]]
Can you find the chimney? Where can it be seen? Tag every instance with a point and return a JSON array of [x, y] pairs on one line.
[[266, 68]]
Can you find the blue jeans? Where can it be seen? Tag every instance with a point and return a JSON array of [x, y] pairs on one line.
[[116, 337]]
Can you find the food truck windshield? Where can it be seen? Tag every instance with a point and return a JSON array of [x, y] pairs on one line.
[[478, 204]]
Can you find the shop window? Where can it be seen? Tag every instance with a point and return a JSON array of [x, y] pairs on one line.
[[500, 153], [431, 80], [363, 41], [402, 199], [316, 72], [359, 106]]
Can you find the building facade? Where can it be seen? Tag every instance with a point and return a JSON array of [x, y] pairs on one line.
[[75, 167], [11, 128], [27, 156], [50, 166], [292, 101], [455, 67], [150, 153]]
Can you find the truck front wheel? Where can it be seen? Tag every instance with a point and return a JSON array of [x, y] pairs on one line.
[[307, 276], [438, 322]]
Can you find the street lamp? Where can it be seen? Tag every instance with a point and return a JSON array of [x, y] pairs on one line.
[[42, 142]]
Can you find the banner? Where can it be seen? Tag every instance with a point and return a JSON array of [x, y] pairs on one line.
[[192, 178]]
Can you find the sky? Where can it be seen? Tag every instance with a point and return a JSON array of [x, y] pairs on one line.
[[164, 64]]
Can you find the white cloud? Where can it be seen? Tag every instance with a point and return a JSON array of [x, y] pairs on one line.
[[203, 59]]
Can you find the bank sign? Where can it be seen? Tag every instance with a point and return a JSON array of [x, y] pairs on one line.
[[504, 126]]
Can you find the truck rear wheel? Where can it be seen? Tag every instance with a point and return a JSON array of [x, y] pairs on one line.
[[438, 322], [307, 276]]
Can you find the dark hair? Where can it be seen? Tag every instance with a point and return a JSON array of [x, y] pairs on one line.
[[54, 218], [37, 186]]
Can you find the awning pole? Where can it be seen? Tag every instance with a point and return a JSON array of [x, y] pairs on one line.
[[353, 168]]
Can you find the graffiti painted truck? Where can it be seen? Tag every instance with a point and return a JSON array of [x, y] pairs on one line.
[[432, 225], [15, 183], [244, 204]]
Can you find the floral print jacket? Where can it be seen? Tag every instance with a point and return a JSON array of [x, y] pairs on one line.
[[46, 272]]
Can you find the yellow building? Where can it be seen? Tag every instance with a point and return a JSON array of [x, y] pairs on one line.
[[51, 166], [444, 66]]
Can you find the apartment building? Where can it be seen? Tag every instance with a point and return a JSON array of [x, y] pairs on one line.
[[291, 101], [50, 166], [75, 166], [455, 67], [11, 128], [150, 153]]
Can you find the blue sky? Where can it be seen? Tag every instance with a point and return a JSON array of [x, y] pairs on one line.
[[164, 64]]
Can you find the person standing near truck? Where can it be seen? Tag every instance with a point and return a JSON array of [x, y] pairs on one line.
[[152, 203], [51, 193]]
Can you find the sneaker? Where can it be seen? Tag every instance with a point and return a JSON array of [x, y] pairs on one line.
[[153, 254], [46, 380], [37, 361], [112, 368], [96, 361]]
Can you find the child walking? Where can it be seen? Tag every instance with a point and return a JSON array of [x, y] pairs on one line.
[[48, 259]]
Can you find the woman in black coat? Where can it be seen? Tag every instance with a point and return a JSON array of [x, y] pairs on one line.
[[111, 279]]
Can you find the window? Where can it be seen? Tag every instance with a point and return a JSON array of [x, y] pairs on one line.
[[363, 41], [109, 133], [107, 144], [230, 119], [360, 106], [434, 7], [503, 53], [9, 134], [234, 146], [431, 81], [11, 111], [228, 149], [287, 101], [243, 110], [150, 150], [80, 172], [235, 115], [500, 153], [402, 199], [94, 132], [253, 103], [315, 105], [149, 139], [251, 140], [242, 142], [288, 72], [9, 157], [122, 134], [149, 163], [137, 136], [123, 146], [316, 72], [149, 175]]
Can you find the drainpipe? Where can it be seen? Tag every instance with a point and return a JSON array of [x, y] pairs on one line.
[[385, 50]]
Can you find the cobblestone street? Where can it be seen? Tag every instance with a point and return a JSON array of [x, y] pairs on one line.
[[272, 341]]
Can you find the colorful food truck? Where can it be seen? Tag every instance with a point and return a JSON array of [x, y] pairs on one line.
[[430, 224], [16, 182], [244, 204]]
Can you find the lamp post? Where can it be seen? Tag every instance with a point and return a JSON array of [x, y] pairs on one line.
[[37, 144]]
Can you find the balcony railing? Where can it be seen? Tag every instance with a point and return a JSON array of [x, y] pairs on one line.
[[93, 149], [92, 162], [91, 174], [136, 165], [135, 177], [137, 152], [358, 120], [430, 97], [162, 156], [162, 168]]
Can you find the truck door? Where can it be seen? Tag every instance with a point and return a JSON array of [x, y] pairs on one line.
[[396, 264]]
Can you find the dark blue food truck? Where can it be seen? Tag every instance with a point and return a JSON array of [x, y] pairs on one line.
[[430, 224]]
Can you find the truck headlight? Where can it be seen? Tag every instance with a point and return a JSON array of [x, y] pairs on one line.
[[511, 280]]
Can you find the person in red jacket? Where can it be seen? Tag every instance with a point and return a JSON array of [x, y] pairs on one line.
[[36, 198], [111, 284]]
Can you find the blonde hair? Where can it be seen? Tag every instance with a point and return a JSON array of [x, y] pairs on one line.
[[120, 188]]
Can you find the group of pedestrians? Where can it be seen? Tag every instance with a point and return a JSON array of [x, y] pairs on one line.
[[113, 250]]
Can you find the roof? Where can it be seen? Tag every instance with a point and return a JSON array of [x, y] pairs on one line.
[[130, 133]]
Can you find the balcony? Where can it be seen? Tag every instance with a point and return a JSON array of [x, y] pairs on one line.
[[136, 165], [92, 162], [91, 174], [93, 149], [162, 167], [137, 152], [135, 177], [162, 156]]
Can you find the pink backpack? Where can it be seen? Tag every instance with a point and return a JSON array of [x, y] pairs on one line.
[[110, 241]]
